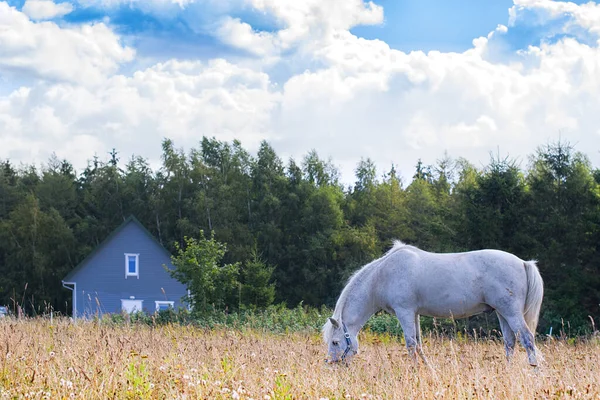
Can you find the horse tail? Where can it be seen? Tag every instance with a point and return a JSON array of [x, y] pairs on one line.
[[535, 294]]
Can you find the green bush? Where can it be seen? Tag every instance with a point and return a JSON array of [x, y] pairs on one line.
[[281, 319]]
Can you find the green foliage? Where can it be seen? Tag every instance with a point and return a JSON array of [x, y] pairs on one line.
[[275, 318], [199, 267], [257, 289], [281, 319], [138, 379], [282, 389], [37, 247], [384, 323], [310, 232], [564, 224], [495, 215]]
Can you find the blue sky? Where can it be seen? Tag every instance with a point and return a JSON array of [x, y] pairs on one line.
[[409, 25], [171, 31], [429, 77], [436, 25]]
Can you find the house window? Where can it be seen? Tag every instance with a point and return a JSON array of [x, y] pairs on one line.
[[164, 305], [132, 265], [131, 306]]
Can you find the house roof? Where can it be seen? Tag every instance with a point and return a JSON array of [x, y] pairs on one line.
[[114, 233]]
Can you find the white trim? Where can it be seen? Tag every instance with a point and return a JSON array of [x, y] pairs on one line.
[[74, 296], [74, 300], [141, 302], [162, 303], [137, 265]]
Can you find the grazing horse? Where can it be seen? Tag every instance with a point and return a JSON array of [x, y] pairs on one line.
[[410, 282]]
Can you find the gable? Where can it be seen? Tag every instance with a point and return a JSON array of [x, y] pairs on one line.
[[129, 238]]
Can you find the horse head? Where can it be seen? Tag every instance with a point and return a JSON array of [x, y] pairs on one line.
[[342, 345]]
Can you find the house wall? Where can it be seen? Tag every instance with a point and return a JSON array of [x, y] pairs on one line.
[[101, 283]]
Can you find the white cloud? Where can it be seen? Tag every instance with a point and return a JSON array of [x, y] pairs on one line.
[[356, 97], [45, 9], [299, 16], [85, 54], [306, 24], [141, 3], [180, 100], [239, 34], [309, 21], [374, 101], [584, 15], [168, 9]]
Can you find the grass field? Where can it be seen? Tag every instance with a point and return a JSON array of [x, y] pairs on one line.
[[98, 361]]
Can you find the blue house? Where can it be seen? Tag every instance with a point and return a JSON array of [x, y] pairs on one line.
[[125, 273]]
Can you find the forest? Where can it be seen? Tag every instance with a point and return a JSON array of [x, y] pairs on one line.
[[297, 218]]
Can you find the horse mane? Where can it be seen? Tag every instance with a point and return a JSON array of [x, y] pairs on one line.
[[357, 277]]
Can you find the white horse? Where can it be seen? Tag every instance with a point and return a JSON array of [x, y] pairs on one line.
[[410, 282]]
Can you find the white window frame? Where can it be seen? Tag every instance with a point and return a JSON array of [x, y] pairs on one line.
[[159, 303], [141, 302], [137, 265]]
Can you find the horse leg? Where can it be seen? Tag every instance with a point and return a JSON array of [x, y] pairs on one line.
[[508, 335], [519, 327], [419, 339], [407, 322]]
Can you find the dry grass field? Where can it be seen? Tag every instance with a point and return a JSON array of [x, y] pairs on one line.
[[95, 361]]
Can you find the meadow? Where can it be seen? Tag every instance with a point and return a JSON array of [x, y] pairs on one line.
[[98, 360]]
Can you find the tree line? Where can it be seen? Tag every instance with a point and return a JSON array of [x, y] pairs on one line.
[[297, 219]]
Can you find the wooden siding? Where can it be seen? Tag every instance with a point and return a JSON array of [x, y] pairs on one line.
[[101, 283]]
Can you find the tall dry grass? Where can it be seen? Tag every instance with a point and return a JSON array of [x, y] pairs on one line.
[[95, 361]]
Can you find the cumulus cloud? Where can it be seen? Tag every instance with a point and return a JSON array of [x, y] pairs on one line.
[[299, 16], [309, 22], [180, 100], [354, 97], [140, 3], [45, 9], [586, 15], [234, 32], [371, 100], [305, 24], [375, 101], [84, 54], [192, 11]]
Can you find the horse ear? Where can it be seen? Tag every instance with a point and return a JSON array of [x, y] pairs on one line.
[[334, 322]]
